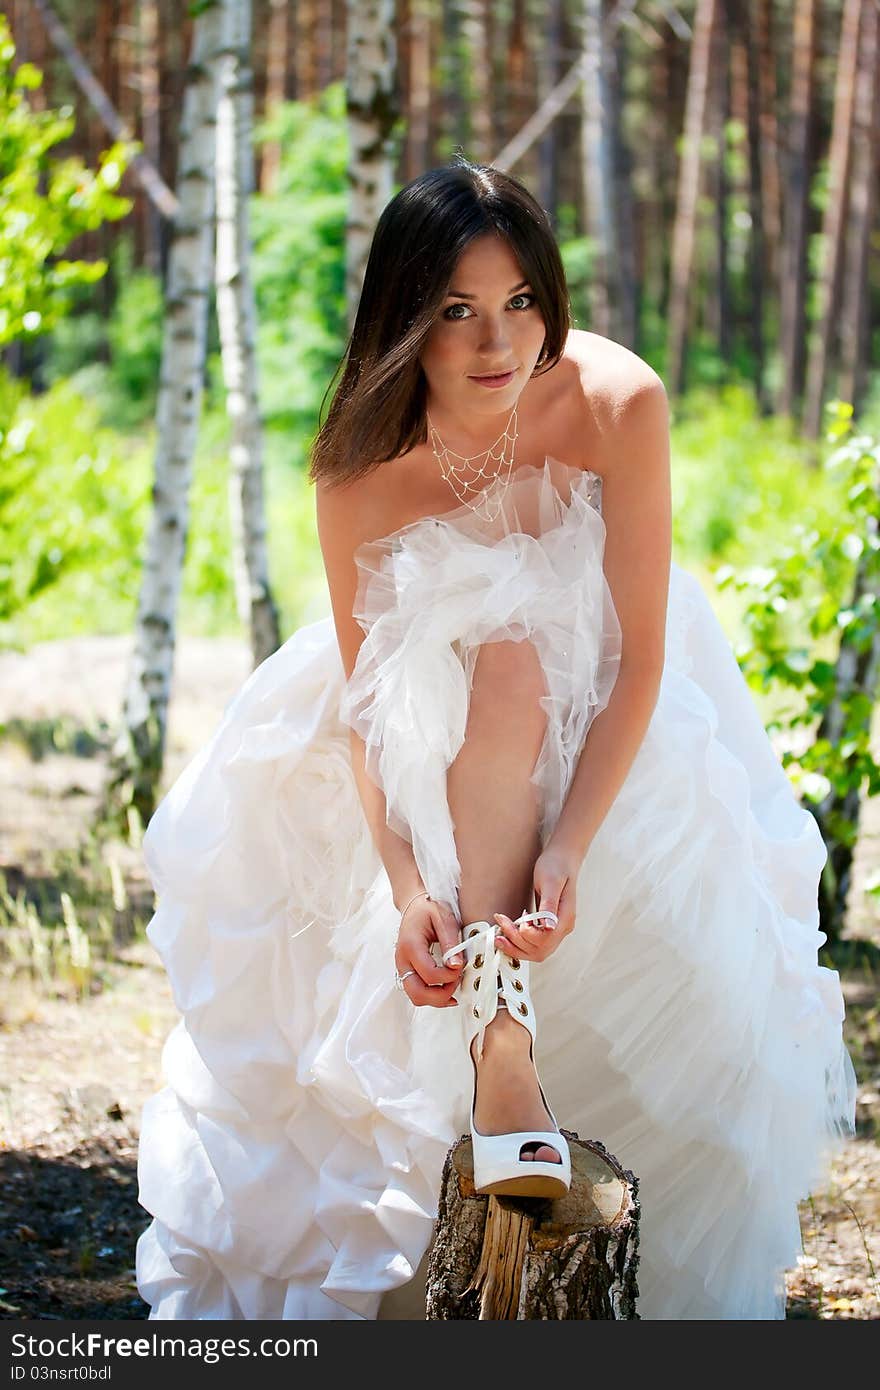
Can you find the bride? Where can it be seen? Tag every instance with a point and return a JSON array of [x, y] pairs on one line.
[[510, 800]]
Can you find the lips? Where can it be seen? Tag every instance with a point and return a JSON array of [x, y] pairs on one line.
[[495, 379]]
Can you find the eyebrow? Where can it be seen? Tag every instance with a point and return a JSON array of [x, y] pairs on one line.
[[460, 294]]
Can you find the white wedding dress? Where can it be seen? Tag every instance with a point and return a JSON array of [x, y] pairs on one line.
[[292, 1162]]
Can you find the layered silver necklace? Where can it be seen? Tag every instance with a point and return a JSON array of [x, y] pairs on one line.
[[497, 453]]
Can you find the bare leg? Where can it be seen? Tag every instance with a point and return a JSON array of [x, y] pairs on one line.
[[495, 811]]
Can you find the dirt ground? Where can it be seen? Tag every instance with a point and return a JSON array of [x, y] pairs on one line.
[[79, 1054]]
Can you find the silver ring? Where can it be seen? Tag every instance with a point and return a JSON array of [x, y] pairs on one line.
[[399, 979]]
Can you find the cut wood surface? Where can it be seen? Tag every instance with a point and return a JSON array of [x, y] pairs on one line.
[[510, 1258]]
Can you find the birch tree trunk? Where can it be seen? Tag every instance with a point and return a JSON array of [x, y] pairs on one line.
[[236, 318], [684, 231], [372, 109], [136, 764], [834, 219]]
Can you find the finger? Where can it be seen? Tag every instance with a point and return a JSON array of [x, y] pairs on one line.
[[433, 996], [513, 937], [428, 969], [448, 931]]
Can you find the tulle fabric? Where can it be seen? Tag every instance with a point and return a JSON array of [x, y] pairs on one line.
[[292, 1162]]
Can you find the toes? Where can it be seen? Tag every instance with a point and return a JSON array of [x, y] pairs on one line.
[[539, 1153]]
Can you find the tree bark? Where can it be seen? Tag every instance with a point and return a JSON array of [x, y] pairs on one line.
[[236, 318], [598, 190], [276, 76], [684, 231], [372, 109], [856, 283], [136, 764], [417, 141], [834, 219], [497, 1258], [149, 176], [792, 292], [857, 672]]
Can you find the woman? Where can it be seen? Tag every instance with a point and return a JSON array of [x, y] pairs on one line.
[[516, 774]]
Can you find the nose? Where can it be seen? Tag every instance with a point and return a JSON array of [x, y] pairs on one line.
[[495, 336]]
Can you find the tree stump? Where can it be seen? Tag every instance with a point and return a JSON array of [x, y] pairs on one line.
[[511, 1258]]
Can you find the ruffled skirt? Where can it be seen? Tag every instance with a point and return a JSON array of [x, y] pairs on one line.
[[292, 1162]]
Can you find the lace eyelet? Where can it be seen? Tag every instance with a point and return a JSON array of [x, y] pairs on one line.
[[524, 1008], [518, 984], [476, 1012], [514, 963], [478, 962]]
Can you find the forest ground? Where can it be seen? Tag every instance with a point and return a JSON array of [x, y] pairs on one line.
[[80, 1053]]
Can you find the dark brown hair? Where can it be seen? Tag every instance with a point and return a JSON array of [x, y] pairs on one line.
[[378, 411]]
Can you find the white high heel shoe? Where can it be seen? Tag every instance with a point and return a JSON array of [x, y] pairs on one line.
[[489, 979]]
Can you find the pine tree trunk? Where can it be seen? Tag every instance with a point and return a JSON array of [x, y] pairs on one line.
[[550, 71], [496, 1258], [276, 76], [626, 278], [417, 141], [476, 41], [856, 284], [716, 305], [598, 189], [136, 766], [793, 287], [371, 114], [685, 228], [751, 117], [150, 127], [834, 219], [236, 318], [764, 57]]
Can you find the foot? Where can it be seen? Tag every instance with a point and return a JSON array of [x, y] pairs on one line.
[[508, 1098]]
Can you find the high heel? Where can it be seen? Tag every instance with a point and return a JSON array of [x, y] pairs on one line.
[[489, 979]]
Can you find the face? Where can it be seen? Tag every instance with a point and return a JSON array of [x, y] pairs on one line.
[[490, 323]]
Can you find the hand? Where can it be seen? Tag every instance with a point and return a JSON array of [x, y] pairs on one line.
[[425, 923], [555, 883]]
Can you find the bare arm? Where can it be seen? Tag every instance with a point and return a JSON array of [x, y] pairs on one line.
[[342, 527], [395, 852], [636, 508]]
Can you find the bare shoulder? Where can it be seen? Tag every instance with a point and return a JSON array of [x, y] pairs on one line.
[[620, 395]]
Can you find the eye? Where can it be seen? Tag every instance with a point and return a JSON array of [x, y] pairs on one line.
[[523, 295]]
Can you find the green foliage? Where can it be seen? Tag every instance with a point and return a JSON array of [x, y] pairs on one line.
[[739, 478], [124, 387], [44, 204], [799, 608], [299, 261], [75, 504]]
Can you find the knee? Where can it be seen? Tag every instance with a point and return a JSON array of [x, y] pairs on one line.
[[508, 675]]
